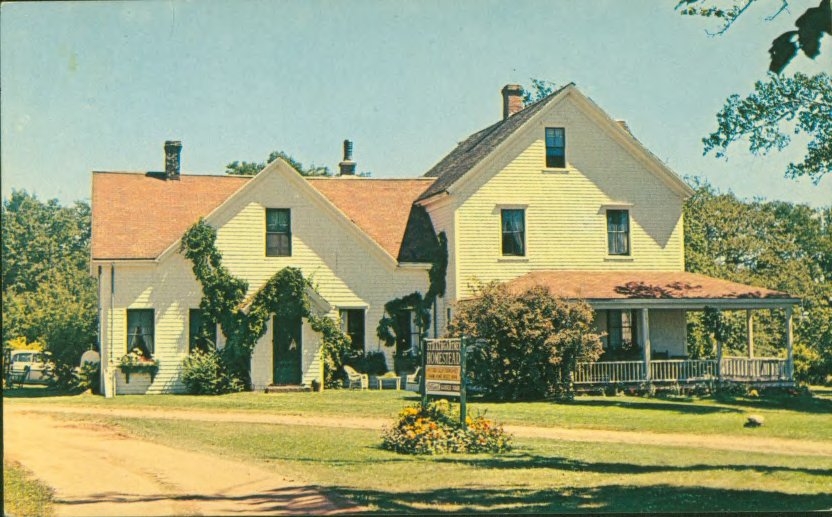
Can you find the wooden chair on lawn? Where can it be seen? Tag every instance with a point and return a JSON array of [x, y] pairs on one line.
[[355, 379]]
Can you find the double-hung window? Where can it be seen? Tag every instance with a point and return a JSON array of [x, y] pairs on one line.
[[621, 329], [200, 338], [278, 232], [140, 332], [618, 232], [352, 324], [555, 147], [514, 232]]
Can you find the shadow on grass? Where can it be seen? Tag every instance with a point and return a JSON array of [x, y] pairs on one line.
[[36, 392], [519, 460], [678, 407], [610, 498], [801, 404]]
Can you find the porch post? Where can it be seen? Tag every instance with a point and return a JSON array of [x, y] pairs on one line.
[[645, 329], [789, 351], [749, 331]]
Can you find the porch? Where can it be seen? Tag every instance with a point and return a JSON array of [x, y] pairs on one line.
[[758, 370]]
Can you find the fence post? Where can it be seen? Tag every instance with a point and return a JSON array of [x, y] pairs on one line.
[[463, 410]]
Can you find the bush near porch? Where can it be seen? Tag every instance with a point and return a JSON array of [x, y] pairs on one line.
[[526, 345]]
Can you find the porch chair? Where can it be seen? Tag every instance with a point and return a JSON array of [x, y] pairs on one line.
[[412, 381], [355, 379]]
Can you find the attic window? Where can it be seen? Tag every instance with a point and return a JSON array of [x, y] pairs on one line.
[[555, 147], [278, 232]]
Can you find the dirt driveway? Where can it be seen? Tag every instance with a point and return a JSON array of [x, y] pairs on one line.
[[97, 471]]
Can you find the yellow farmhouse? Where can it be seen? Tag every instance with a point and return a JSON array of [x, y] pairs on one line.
[[555, 193]]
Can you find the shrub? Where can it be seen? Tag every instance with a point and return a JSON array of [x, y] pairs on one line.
[[436, 429], [527, 344], [205, 373], [373, 363], [89, 376]]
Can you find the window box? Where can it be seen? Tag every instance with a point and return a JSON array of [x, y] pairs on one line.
[[136, 362]]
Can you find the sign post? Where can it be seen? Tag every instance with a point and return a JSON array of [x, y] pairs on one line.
[[443, 364]]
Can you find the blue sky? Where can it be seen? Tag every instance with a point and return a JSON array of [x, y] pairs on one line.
[[101, 85]]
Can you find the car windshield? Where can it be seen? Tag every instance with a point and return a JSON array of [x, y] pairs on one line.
[[22, 358]]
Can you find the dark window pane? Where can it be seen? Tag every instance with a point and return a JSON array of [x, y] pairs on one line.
[[352, 322], [618, 232], [555, 147], [278, 232], [514, 232], [204, 339], [140, 332]]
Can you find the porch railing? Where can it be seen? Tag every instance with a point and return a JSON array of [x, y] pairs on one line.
[[683, 370], [756, 369]]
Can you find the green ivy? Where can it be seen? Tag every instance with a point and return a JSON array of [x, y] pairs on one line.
[[421, 305], [243, 324]]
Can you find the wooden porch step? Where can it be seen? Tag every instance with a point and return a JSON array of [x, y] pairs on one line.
[[287, 388]]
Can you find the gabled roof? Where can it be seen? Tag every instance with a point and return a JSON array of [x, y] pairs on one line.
[[380, 207], [641, 285], [477, 147], [139, 215]]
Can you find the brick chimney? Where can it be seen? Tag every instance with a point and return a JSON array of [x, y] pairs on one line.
[[512, 99], [347, 166], [172, 150]]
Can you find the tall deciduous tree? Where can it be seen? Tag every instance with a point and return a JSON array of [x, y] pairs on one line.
[[773, 244], [48, 294], [779, 105], [238, 168]]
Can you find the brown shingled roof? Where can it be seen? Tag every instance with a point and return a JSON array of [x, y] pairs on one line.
[[138, 216], [612, 285], [380, 207]]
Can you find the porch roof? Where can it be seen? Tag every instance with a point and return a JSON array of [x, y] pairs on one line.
[[659, 289]]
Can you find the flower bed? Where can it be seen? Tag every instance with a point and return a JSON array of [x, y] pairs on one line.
[[436, 429]]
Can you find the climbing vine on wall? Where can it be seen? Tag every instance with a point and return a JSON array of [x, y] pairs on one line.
[[244, 322], [415, 301]]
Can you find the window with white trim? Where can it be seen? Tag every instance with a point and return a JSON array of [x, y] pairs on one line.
[[513, 223], [618, 232]]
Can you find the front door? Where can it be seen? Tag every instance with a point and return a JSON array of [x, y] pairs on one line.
[[286, 345]]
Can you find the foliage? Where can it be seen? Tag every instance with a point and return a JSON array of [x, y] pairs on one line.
[[204, 374], [244, 322], [776, 245], [436, 429], [387, 329], [135, 362], [811, 26], [62, 376], [48, 294], [89, 377], [388, 325], [539, 90], [372, 363], [23, 494], [237, 168], [800, 104], [20, 343], [527, 344]]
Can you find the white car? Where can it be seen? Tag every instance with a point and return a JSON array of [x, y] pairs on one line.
[[38, 364]]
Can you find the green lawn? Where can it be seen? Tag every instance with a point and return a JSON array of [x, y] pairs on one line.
[[24, 495], [798, 417], [537, 476]]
